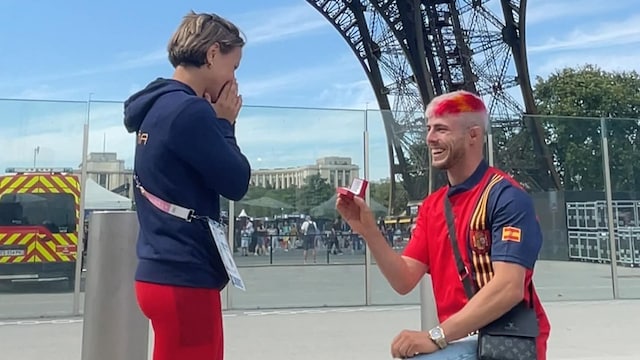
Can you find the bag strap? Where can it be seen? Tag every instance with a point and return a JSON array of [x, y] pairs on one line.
[[165, 206], [463, 272]]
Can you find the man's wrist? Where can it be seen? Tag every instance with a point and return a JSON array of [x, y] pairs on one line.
[[370, 234], [437, 335]]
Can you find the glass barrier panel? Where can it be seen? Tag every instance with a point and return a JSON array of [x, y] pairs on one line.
[[39, 202], [298, 158], [624, 164], [563, 174], [109, 166], [395, 197]]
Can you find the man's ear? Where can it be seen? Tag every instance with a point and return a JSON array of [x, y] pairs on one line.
[[475, 133]]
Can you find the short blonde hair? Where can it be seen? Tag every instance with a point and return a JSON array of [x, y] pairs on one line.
[[461, 103], [197, 33]]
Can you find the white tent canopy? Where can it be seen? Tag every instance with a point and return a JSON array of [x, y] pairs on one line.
[[99, 198]]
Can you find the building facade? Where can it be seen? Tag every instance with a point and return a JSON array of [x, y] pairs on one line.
[[338, 171], [109, 172]]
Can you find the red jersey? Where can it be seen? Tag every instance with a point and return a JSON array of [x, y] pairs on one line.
[[495, 220]]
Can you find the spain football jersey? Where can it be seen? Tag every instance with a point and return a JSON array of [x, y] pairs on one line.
[[495, 220]]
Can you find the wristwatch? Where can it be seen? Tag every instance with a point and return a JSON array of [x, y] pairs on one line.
[[437, 336]]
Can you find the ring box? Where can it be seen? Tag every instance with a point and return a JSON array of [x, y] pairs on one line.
[[358, 188]]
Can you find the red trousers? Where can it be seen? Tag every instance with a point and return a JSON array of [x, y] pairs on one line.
[[187, 322]]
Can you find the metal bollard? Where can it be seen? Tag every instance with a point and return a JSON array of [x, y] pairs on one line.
[[428, 313], [114, 327]]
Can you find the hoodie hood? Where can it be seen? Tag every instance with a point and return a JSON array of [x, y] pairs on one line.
[[138, 105]]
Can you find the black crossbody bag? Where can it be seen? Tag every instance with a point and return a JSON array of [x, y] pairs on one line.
[[513, 335]]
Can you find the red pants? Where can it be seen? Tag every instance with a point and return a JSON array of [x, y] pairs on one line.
[[187, 322]]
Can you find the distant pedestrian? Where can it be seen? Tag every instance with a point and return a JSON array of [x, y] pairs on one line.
[[310, 230]]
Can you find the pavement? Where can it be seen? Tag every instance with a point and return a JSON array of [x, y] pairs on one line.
[[315, 311], [580, 330]]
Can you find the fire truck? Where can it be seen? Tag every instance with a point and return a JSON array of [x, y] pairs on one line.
[[39, 217]]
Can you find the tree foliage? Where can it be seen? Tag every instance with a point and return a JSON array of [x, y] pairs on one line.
[[314, 192], [380, 192], [577, 99], [416, 187]]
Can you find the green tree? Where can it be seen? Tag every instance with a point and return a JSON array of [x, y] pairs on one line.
[[287, 196], [417, 186], [255, 192], [587, 94], [380, 192], [514, 152], [314, 192]]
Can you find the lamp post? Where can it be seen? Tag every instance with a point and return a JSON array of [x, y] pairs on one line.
[[36, 151]]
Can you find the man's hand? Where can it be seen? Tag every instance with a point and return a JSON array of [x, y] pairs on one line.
[[357, 214], [412, 343], [504, 291], [228, 104]]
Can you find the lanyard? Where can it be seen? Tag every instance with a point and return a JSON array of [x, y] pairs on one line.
[[218, 231], [172, 209]]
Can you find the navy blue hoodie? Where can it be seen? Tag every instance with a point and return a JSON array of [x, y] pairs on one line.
[[187, 156]]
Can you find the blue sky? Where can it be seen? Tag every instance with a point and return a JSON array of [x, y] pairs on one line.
[[294, 58]]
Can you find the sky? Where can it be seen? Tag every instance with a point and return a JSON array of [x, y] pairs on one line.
[[296, 70]]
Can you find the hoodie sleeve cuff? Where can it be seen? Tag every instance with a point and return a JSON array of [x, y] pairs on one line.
[[228, 129]]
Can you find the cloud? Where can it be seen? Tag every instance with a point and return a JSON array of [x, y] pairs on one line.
[[27, 117], [544, 11], [625, 32], [57, 129], [50, 92], [274, 24], [299, 78], [130, 60], [285, 137], [277, 24], [137, 61], [280, 137], [610, 61], [612, 45], [351, 95]]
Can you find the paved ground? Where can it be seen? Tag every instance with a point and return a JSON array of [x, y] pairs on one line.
[[581, 330], [323, 285]]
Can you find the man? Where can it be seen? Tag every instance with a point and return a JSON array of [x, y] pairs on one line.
[[310, 231], [499, 237]]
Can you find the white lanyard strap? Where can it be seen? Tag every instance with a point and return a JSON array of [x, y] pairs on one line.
[[172, 209]]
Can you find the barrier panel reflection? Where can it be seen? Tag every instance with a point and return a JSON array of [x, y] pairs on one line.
[[114, 327], [295, 177]]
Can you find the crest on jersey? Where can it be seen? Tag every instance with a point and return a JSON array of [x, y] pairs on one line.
[[480, 241]]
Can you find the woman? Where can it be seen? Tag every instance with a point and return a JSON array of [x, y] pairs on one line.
[[187, 156]]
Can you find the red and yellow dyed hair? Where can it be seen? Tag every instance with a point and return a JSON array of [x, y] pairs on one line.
[[456, 103]]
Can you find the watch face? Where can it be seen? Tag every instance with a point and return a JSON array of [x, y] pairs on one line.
[[436, 333]]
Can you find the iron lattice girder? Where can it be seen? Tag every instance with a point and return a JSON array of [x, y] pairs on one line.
[[429, 47], [348, 17]]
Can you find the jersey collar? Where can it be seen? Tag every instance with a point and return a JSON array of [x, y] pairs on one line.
[[471, 181]]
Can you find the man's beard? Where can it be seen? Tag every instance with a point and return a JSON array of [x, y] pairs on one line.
[[454, 156]]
